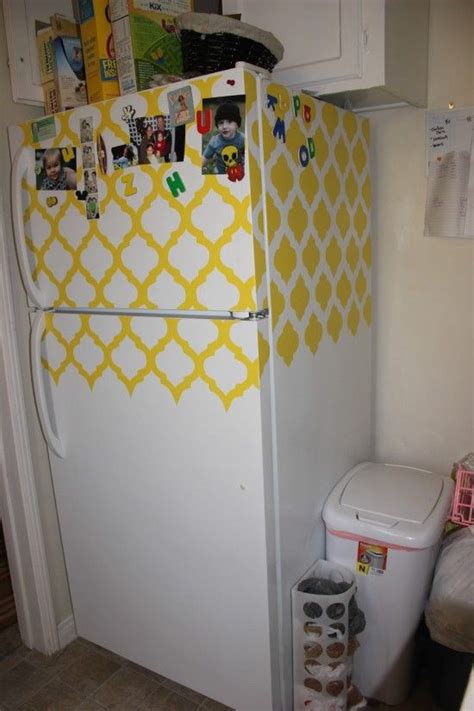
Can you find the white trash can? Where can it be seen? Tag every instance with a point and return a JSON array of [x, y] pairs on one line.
[[385, 523]]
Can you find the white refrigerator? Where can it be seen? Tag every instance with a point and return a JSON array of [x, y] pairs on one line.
[[197, 259]]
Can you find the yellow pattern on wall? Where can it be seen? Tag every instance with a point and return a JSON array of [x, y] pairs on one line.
[[319, 239]]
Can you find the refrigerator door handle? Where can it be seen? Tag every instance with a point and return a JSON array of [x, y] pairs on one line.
[[249, 315], [19, 168], [50, 436], [165, 313]]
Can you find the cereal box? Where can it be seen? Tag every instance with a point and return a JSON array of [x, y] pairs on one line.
[[69, 75], [98, 48], [50, 97], [44, 41], [145, 40]]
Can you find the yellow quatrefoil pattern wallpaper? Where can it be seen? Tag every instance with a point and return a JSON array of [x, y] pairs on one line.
[[318, 197], [204, 246]]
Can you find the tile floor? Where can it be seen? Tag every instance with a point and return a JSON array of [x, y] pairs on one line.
[[420, 700], [85, 677]]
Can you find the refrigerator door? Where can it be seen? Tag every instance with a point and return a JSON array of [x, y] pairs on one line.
[[116, 228], [160, 494]]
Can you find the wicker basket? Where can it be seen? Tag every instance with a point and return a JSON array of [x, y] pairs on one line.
[[462, 509], [212, 43]]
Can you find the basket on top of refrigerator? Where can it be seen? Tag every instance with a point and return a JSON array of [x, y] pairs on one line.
[[211, 43]]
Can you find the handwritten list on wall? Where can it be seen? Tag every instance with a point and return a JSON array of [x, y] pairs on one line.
[[450, 155]]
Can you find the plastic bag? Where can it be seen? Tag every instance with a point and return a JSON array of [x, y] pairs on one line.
[[449, 612], [322, 661]]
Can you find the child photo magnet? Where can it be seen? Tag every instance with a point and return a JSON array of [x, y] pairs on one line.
[[56, 168], [181, 106], [101, 154], [223, 143], [92, 207], [124, 156], [86, 130], [90, 181], [88, 155], [155, 140]]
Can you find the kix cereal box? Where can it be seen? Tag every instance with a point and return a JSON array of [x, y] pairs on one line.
[[98, 48], [145, 40]]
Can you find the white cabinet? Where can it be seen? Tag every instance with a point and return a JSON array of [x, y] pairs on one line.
[[358, 53], [23, 18]]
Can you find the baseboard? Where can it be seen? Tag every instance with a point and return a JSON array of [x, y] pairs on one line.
[[66, 631]]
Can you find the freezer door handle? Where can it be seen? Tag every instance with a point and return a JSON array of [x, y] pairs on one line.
[[19, 168], [249, 315], [50, 436]]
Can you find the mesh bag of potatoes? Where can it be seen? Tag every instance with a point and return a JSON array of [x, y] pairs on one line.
[[326, 620]]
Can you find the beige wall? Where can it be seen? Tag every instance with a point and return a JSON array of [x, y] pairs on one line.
[[11, 113], [424, 286]]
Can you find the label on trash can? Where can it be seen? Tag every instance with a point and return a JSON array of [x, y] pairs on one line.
[[371, 558]]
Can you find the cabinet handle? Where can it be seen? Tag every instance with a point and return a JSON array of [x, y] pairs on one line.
[[19, 168], [50, 436]]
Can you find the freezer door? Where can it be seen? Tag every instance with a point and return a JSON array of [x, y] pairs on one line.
[[135, 232], [160, 494]]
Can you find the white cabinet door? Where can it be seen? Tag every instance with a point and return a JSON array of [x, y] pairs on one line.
[[358, 53], [322, 38], [22, 20]]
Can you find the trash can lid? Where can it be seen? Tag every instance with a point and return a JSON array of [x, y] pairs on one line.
[[386, 502], [401, 493]]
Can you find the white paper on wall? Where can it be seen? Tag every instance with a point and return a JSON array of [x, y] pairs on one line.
[[450, 169]]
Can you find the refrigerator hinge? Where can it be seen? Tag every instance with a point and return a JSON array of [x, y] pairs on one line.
[[250, 315], [37, 309]]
